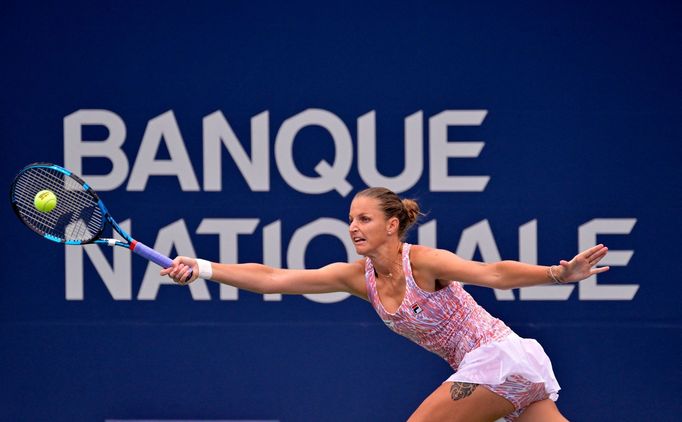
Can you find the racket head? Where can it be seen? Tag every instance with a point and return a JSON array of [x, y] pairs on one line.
[[79, 215]]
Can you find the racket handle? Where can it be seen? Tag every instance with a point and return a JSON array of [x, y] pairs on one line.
[[154, 256]]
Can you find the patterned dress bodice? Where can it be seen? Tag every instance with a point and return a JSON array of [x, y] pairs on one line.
[[447, 322]]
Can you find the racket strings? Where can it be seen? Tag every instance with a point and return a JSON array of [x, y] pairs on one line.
[[77, 216], [66, 221]]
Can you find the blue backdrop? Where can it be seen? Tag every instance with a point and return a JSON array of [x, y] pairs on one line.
[[239, 131]]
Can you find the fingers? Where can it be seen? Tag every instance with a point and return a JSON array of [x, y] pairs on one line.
[[599, 270], [180, 269], [594, 251], [581, 266], [595, 259], [183, 276], [591, 256], [596, 254]]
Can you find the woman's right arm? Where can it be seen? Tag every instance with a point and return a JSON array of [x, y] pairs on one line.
[[259, 278]]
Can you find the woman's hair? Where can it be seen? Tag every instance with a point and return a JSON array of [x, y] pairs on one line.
[[405, 210]]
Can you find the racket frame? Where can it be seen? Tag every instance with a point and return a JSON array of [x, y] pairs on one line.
[[128, 243]]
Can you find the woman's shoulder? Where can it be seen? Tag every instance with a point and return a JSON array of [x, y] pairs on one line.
[[419, 252], [347, 269], [432, 258], [359, 265], [356, 280]]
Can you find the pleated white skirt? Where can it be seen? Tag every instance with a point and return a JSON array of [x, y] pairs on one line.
[[492, 363]]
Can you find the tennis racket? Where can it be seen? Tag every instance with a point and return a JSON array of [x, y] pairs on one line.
[[79, 216]]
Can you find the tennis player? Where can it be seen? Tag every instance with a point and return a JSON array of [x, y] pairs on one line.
[[416, 292]]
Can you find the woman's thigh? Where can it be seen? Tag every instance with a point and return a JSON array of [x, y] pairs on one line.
[[542, 411], [462, 402]]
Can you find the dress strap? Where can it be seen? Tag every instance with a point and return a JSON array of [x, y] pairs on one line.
[[407, 265], [370, 281]]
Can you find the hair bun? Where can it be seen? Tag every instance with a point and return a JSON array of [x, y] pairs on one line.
[[412, 210]]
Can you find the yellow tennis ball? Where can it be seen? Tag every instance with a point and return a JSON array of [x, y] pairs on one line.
[[45, 201]]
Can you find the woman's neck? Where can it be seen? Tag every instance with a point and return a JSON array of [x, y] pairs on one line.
[[387, 261]]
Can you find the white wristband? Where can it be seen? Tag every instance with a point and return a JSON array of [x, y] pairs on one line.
[[205, 269]]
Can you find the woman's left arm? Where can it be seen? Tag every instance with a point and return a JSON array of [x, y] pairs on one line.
[[444, 265]]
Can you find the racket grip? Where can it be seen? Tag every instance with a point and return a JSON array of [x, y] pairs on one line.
[[154, 256]]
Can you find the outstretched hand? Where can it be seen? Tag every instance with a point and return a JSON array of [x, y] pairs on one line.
[[581, 266], [180, 268]]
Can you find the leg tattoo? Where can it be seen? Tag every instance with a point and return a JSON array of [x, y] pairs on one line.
[[460, 390]]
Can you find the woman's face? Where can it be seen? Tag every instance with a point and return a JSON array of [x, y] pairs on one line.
[[368, 225]]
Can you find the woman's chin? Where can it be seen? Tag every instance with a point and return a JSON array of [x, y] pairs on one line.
[[360, 248]]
